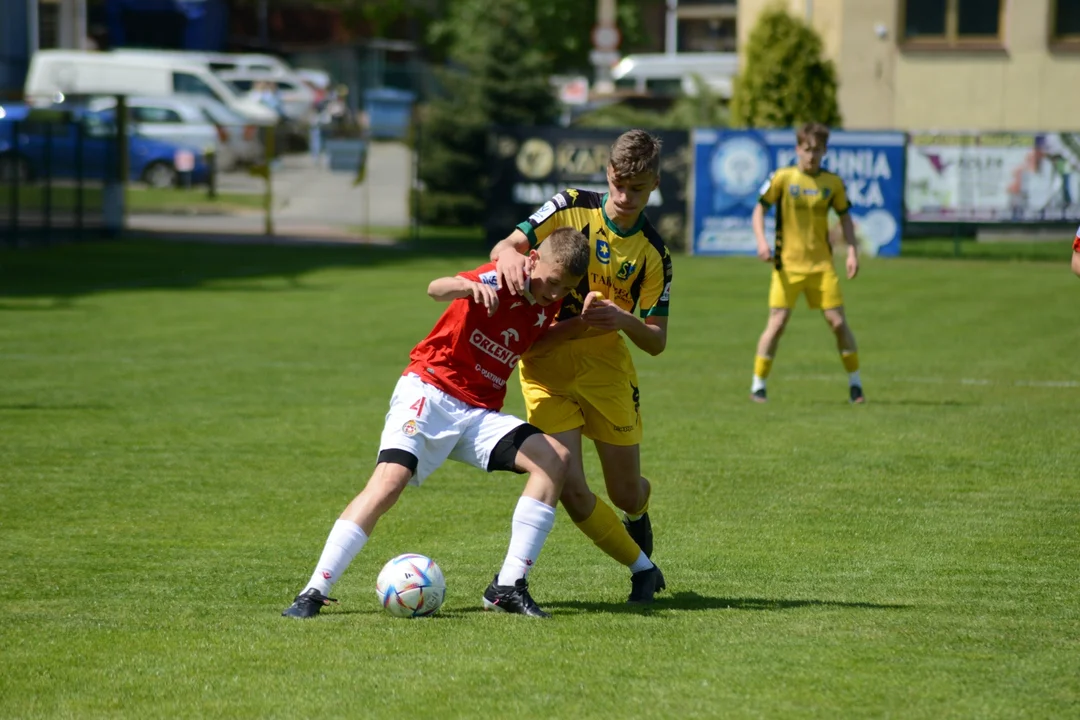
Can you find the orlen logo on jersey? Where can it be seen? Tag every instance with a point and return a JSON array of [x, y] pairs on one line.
[[494, 349]]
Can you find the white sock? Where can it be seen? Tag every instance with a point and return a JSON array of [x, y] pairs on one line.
[[757, 384], [532, 522], [642, 563], [345, 540], [853, 379]]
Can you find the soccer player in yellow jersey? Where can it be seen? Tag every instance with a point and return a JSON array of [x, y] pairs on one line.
[[579, 379], [803, 261]]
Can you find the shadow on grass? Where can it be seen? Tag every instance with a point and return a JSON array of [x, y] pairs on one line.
[[65, 272], [688, 601], [694, 601]]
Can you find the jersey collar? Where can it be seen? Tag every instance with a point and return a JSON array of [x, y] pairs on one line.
[[615, 228], [527, 291]]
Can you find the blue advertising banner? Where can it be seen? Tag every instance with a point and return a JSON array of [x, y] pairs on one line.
[[730, 167]]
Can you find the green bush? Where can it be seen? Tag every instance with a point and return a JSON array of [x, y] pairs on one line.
[[785, 81]]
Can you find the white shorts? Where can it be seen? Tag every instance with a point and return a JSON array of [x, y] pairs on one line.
[[434, 426]]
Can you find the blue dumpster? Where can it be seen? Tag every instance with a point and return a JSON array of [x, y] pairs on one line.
[[389, 112]]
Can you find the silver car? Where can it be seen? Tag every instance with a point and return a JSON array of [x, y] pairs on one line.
[[242, 140], [175, 119]]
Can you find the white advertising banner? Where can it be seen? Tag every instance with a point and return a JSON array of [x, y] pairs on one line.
[[993, 177]]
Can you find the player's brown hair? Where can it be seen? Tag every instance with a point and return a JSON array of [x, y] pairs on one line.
[[568, 248], [812, 130], [635, 152]]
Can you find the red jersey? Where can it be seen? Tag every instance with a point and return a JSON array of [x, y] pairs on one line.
[[1076, 241], [469, 355]]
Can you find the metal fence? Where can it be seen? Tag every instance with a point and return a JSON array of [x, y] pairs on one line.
[[59, 179]]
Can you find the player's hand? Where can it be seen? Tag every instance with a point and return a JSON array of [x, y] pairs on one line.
[[852, 265], [764, 252], [590, 299], [510, 271], [484, 294], [602, 314]]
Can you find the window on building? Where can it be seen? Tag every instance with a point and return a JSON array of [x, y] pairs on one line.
[[707, 35], [1066, 20], [952, 23]]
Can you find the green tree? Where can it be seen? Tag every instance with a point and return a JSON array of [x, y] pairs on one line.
[[786, 81], [496, 77]]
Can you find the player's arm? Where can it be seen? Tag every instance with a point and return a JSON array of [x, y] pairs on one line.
[[509, 253], [650, 332], [445, 289], [842, 207], [769, 194]]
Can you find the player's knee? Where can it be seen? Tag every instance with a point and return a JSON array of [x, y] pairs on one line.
[[387, 483], [549, 456]]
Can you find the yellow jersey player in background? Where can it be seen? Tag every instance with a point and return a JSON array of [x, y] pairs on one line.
[[579, 379], [803, 261]]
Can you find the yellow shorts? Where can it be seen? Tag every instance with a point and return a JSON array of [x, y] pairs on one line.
[[822, 289], [589, 384]]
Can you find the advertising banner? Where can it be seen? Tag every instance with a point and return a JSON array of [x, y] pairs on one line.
[[993, 177], [730, 167], [531, 164]]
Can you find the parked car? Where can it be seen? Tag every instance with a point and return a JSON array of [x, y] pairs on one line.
[[243, 140], [31, 148], [55, 74], [175, 119]]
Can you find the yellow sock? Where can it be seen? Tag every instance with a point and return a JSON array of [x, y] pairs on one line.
[[609, 534], [762, 366], [850, 360]]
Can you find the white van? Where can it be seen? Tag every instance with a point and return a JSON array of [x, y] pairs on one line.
[[672, 73], [218, 62], [83, 73]]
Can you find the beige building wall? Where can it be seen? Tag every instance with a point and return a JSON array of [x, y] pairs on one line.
[[1025, 86]]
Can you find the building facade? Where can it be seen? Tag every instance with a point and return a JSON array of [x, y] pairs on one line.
[[947, 64]]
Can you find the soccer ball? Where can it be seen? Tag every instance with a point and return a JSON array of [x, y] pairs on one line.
[[411, 585]]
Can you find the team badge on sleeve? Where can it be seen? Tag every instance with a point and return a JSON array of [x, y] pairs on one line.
[[546, 210]]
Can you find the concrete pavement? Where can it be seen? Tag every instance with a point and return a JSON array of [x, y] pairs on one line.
[[309, 200]]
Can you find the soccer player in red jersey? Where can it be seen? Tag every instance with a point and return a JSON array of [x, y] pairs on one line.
[[447, 405], [1076, 253]]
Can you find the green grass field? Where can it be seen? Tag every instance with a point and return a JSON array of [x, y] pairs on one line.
[[181, 424]]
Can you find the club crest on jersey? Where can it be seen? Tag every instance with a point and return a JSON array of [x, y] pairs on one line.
[[626, 270], [603, 251], [409, 428], [794, 190]]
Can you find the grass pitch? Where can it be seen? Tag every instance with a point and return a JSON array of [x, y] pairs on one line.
[[181, 425]]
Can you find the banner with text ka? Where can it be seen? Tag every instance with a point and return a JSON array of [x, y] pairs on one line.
[[731, 166]]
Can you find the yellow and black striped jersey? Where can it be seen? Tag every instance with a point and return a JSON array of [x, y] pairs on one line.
[[632, 269], [802, 216]]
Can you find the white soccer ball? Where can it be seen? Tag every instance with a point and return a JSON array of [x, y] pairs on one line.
[[411, 585]]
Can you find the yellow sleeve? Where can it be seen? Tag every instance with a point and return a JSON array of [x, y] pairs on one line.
[[547, 218], [839, 199], [656, 290], [771, 190]]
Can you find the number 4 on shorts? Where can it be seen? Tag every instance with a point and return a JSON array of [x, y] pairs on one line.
[[418, 406]]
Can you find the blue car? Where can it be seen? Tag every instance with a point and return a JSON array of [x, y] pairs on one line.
[[27, 152]]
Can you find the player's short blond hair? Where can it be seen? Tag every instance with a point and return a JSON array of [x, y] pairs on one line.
[[635, 152], [569, 248], [813, 130]]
